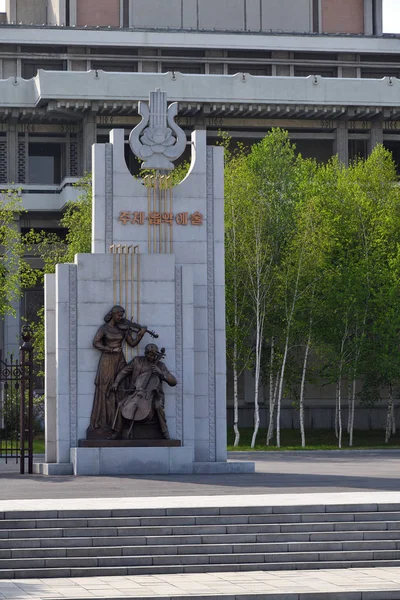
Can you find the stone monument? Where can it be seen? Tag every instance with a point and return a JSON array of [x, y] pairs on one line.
[[158, 260]]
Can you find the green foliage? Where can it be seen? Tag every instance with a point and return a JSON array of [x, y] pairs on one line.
[[77, 220], [15, 273], [318, 246], [37, 330]]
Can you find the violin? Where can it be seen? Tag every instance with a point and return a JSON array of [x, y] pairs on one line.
[[130, 325]]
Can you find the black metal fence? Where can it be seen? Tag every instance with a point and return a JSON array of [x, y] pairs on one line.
[[16, 406]]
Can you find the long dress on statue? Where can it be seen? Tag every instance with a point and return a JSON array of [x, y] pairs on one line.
[[105, 401]]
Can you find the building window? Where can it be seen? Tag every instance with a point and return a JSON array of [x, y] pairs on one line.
[[261, 70], [30, 68], [190, 68], [321, 56], [307, 71], [115, 67], [358, 149], [33, 49], [394, 147], [184, 53], [379, 73], [112, 51], [45, 163], [256, 54]]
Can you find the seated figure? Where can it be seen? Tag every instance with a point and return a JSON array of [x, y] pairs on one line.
[[145, 395]]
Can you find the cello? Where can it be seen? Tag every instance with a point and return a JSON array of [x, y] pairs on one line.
[[136, 406]]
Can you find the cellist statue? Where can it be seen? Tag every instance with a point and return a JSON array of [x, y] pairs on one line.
[[145, 393]]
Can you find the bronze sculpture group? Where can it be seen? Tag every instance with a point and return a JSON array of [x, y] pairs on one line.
[[126, 393]]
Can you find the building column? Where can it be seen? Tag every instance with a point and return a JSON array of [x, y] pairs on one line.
[[341, 144], [11, 10], [368, 17], [378, 18], [375, 137], [72, 13], [89, 138], [12, 153]]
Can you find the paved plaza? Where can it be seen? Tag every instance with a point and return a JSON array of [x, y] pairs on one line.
[[281, 479], [276, 473], [344, 584]]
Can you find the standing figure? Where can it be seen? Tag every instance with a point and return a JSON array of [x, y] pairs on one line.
[[109, 341], [145, 394]]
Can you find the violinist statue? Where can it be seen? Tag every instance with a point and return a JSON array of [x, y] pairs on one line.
[[145, 395], [109, 340]]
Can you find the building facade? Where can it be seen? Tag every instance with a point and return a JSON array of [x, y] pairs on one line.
[[72, 70]]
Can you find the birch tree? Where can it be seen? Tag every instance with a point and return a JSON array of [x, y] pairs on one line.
[[302, 264], [264, 191], [238, 317]]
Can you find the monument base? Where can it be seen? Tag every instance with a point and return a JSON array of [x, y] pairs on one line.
[[53, 469], [133, 460], [140, 461], [135, 443]]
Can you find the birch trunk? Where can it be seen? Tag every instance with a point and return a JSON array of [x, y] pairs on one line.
[[336, 411], [257, 382], [302, 388], [389, 416], [352, 411], [348, 406], [393, 420], [338, 415], [235, 398], [340, 412], [270, 431], [271, 393], [285, 352], [280, 390]]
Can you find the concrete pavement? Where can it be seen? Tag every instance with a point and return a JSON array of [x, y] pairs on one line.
[[276, 473], [339, 584]]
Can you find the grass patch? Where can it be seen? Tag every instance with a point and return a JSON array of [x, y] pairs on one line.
[[316, 439], [38, 444]]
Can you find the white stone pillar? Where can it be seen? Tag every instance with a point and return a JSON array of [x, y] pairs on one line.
[[50, 368], [89, 138], [66, 359]]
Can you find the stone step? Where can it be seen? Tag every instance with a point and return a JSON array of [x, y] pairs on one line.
[[299, 556], [224, 510], [88, 543], [200, 549], [198, 529], [191, 520], [121, 541], [42, 573]]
